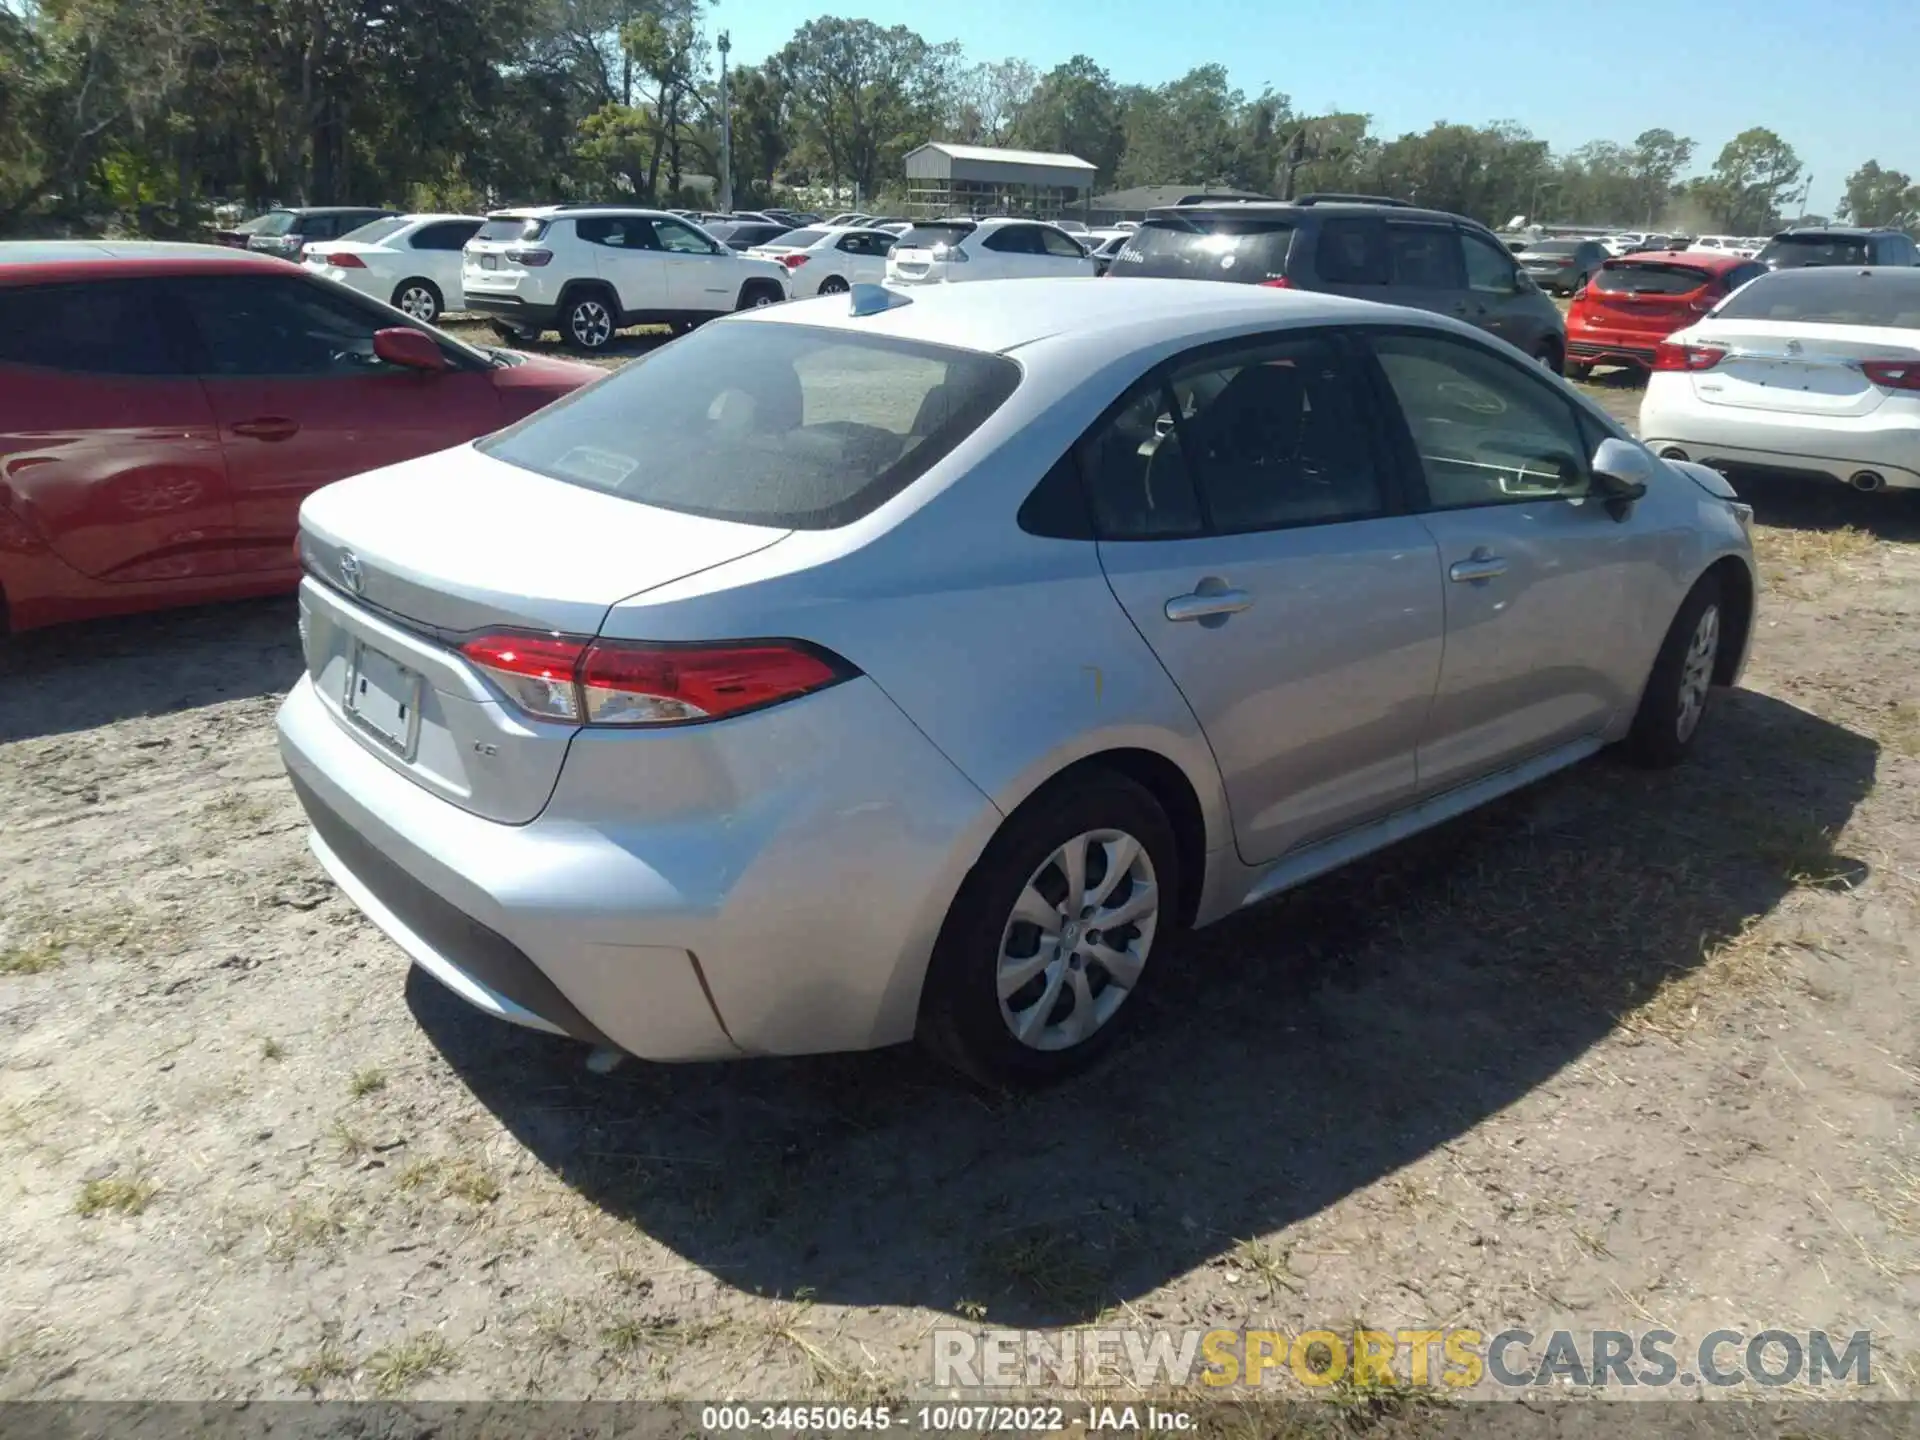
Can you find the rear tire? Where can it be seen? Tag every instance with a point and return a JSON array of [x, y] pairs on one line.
[[758, 293], [513, 334], [1574, 370], [832, 285], [1675, 701], [1548, 353], [419, 299], [588, 321], [1025, 986]]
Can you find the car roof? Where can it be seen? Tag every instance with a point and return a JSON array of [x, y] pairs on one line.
[[334, 210], [39, 261], [571, 212], [1399, 210], [1716, 261], [1002, 315], [1842, 232]]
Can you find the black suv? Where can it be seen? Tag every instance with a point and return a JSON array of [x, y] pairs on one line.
[[1837, 245], [1358, 245]]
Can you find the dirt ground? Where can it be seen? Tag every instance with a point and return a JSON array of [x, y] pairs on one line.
[[1623, 1050]]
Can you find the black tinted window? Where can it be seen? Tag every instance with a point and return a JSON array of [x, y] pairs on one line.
[[1351, 252], [925, 237], [1424, 257], [509, 228], [1829, 297], [447, 235], [1623, 278], [266, 325], [1489, 266], [1275, 438], [1206, 247], [93, 329], [1015, 240], [780, 425], [1787, 250], [621, 232], [1554, 247], [1138, 480]]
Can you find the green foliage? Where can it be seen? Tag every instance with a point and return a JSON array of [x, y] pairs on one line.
[[1881, 197]]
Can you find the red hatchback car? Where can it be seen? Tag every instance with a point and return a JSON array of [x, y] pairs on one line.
[[1633, 303], [164, 409]]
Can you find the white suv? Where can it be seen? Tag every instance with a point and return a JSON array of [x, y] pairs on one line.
[[587, 271], [996, 249]]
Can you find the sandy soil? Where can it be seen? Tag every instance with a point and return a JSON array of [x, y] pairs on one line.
[[1622, 1050]]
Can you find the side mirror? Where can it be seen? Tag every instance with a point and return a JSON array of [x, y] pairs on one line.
[[1621, 473], [409, 349]]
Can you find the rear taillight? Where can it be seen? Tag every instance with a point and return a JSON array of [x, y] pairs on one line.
[[344, 260], [619, 682], [1669, 356], [1893, 374], [793, 262], [532, 258], [1278, 282]]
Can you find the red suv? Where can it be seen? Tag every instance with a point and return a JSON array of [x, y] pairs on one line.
[[164, 409], [1630, 305]]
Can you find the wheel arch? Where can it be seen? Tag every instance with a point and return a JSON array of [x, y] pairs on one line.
[[1737, 606]]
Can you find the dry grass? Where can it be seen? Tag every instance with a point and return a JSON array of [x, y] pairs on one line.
[[305, 1226], [116, 1194], [1043, 1263], [366, 1082], [1748, 963], [329, 1362], [456, 1180], [1900, 731], [1814, 549], [32, 956], [395, 1369]]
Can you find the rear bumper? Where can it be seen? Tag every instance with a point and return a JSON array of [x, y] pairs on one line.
[[1727, 437], [1593, 349], [512, 308], [771, 885]]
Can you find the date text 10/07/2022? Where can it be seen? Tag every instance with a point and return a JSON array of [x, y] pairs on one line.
[[941, 1419]]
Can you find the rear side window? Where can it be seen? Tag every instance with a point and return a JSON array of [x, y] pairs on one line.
[[1207, 248], [765, 424], [1424, 257], [1829, 297], [1351, 252], [926, 237], [508, 228], [1816, 250], [1617, 278], [446, 235], [90, 329]]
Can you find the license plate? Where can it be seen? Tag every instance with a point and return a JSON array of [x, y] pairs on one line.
[[489, 262], [383, 698]]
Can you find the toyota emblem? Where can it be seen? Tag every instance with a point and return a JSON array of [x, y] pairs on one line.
[[350, 571]]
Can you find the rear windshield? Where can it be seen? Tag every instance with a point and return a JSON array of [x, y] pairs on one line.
[[1207, 248], [792, 426], [511, 227], [800, 239], [925, 237], [1618, 279], [276, 222], [1554, 247], [1815, 250], [1829, 297], [375, 231]]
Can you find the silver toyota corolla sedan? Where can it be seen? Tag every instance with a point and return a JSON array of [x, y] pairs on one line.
[[880, 666]]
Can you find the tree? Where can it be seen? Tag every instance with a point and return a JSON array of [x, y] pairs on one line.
[[988, 97], [864, 95], [1755, 172], [1074, 110], [762, 129], [1881, 197], [1185, 133], [1655, 162]]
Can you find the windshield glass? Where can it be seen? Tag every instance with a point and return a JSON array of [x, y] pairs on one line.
[[766, 424], [374, 231], [511, 227], [1829, 297], [1207, 248], [1815, 250], [1619, 279]]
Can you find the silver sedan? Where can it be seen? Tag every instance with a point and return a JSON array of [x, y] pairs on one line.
[[884, 666]]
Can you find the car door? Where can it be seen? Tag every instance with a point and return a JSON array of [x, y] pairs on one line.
[[1249, 524], [1541, 577], [702, 278], [1424, 267], [1011, 252], [287, 364], [109, 451], [437, 250], [627, 256], [1495, 286]]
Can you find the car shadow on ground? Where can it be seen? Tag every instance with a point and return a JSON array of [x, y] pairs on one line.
[[1292, 1054], [78, 677], [1815, 505]]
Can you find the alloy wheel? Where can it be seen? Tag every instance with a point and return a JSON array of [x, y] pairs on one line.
[[418, 301], [590, 324], [1078, 939], [1696, 671]]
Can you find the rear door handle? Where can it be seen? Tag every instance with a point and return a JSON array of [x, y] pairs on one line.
[[269, 427], [1479, 567], [1204, 604]]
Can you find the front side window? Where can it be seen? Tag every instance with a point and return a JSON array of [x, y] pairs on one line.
[[1062, 245], [1487, 431], [446, 235], [679, 239], [97, 328], [777, 425], [252, 325], [1489, 267]]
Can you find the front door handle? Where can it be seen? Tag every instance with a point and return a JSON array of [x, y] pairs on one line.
[[1205, 604], [1479, 566], [270, 427]]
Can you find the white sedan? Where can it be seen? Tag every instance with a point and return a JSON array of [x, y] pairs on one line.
[[410, 261], [997, 249], [1811, 372], [827, 259]]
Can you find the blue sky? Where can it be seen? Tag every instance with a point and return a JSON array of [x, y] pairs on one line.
[[1836, 78]]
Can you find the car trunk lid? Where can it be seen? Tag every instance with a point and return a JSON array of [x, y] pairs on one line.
[[405, 563], [1796, 369]]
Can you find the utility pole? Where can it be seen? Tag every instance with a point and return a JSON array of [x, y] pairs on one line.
[[725, 45]]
